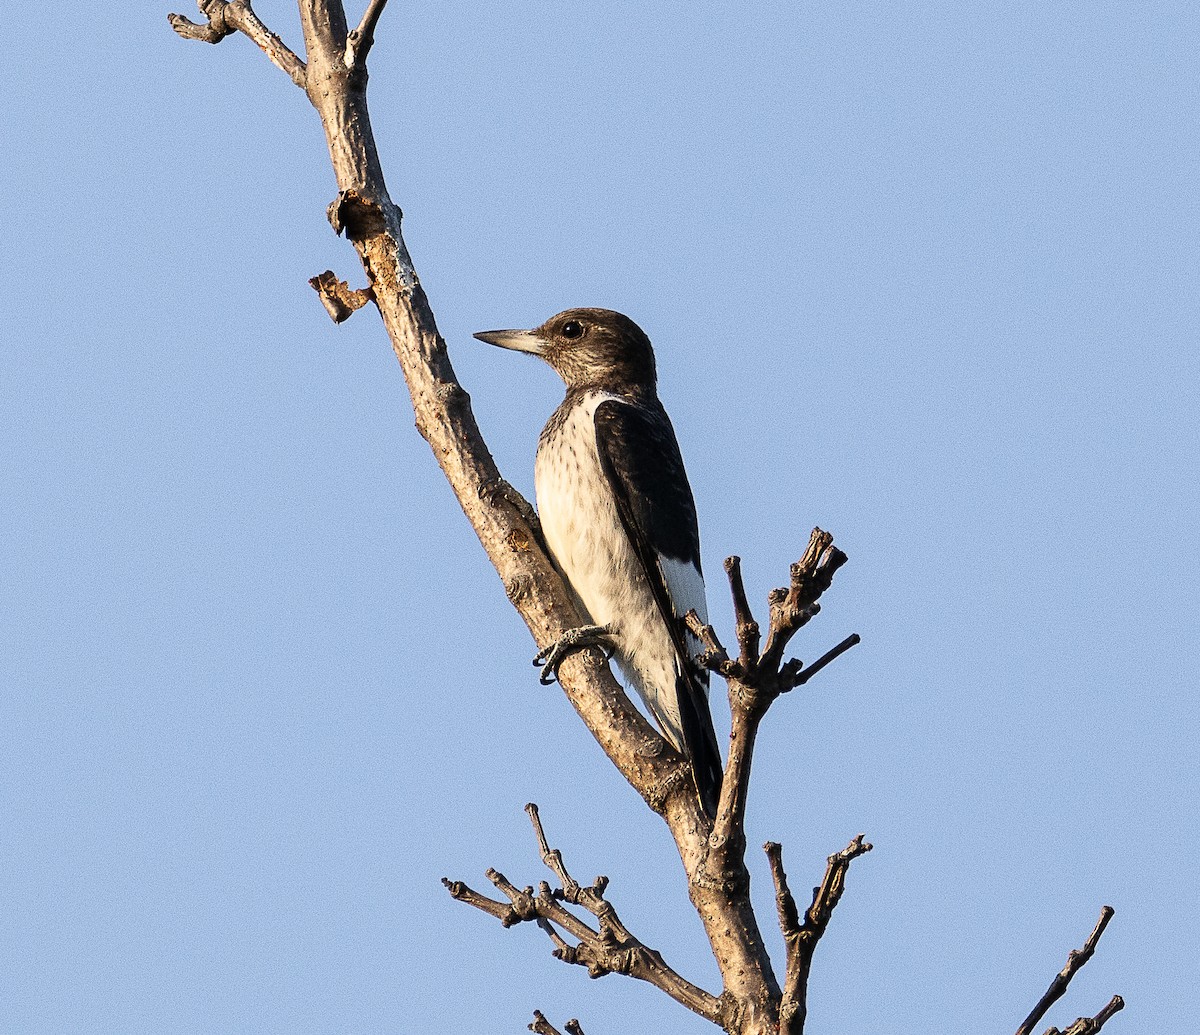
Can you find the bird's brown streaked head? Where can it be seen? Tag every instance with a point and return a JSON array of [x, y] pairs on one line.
[[589, 348]]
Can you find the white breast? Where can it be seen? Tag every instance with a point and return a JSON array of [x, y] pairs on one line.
[[588, 541]]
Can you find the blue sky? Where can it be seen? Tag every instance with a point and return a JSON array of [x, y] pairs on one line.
[[922, 274]]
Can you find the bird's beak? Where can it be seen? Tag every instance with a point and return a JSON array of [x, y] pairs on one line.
[[518, 341]]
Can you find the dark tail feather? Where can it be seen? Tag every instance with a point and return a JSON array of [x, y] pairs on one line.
[[700, 741]]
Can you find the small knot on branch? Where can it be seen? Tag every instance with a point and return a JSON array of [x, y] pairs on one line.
[[522, 903], [518, 587], [596, 969]]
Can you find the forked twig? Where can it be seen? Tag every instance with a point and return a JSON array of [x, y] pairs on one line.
[[801, 938], [607, 950]]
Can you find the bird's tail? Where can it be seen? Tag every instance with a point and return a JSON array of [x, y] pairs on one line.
[[700, 739]]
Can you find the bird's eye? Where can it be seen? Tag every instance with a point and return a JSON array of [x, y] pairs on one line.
[[572, 329]]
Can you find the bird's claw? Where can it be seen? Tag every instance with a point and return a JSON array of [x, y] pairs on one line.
[[549, 658], [500, 491]]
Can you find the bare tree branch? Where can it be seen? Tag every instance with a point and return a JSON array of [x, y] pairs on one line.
[[1076, 958], [224, 19], [360, 41], [611, 949], [324, 24], [801, 938]]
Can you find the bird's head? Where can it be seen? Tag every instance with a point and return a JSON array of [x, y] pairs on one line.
[[590, 348]]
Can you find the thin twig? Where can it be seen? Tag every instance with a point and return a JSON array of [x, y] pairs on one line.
[[747, 627], [802, 675], [1076, 958], [360, 40], [713, 656], [224, 19], [502, 911], [794, 607]]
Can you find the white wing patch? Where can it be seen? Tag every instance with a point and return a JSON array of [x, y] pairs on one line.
[[685, 587]]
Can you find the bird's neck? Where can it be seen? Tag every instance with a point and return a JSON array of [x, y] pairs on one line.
[[632, 392]]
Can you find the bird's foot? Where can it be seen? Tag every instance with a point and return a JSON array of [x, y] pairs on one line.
[[549, 658], [499, 491]]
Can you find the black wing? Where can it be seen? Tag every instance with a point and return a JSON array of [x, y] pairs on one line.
[[640, 457]]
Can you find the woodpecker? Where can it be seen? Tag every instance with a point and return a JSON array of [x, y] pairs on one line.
[[618, 516]]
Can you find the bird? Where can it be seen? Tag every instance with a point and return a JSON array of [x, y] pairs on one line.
[[619, 519]]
